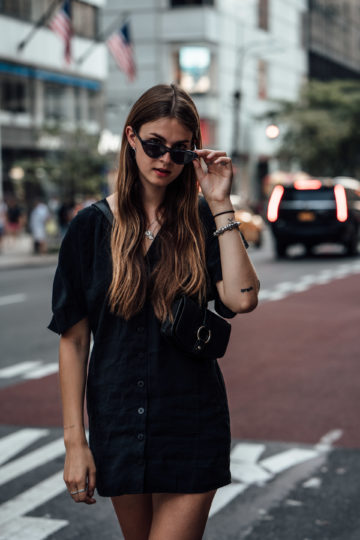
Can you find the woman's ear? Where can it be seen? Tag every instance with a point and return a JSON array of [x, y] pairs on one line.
[[130, 135]]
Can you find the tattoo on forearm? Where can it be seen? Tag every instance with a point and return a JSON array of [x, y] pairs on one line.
[[69, 427], [247, 290]]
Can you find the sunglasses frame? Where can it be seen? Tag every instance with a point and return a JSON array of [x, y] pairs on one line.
[[189, 155]]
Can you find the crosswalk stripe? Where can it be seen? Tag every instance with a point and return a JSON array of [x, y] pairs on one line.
[[285, 460], [32, 460], [42, 371], [31, 498], [225, 495], [247, 452], [19, 369], [12, 299], [31, 528], [12, 444]]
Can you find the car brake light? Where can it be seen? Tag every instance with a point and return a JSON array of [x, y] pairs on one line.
[[307, 184], [341, 203], [274, 202]]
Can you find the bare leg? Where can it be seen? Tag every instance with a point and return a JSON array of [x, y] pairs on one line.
[[134, 513], [180, 516]]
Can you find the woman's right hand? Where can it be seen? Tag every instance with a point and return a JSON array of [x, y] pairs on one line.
[[80, 473]]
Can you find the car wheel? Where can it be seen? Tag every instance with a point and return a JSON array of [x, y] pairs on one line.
[[280, 249]]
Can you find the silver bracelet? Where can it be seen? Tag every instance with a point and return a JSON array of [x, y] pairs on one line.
[[232, 225]]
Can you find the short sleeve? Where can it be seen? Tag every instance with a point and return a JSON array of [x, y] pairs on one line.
[[213, 261], [68, 301]]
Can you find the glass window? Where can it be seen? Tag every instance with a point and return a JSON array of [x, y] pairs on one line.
[[175, 3], [13, 95], [93, 105], [55, 101], [263, 14], [16, 8], [193, 69], [262, 79], [84, 19]]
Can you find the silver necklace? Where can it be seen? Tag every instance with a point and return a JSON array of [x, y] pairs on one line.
[[148, 233]]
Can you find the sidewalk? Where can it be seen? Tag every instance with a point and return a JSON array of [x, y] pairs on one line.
[[18, 252]]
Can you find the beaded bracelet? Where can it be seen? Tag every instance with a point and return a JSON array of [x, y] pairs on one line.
[[230, 227]]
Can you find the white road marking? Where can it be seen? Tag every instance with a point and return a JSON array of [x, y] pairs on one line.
[[284, 289], [32, 460], [289, 458], [327, 440], [43, 371], [31, 498], [12, 444], [312, 483], [19, 369], [249, 473], [12, 299], [31, 528], [247, 452], [224, 496]]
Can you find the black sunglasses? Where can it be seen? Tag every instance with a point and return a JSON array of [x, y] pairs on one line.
[[157, 149]]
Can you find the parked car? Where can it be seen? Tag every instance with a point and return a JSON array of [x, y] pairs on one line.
[[314, 211], [252, 224]]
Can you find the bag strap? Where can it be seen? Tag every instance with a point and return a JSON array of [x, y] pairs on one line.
[[103, 207]]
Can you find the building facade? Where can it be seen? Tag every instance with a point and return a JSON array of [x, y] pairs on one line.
[[39, 91], [334, 39], [233, 56]]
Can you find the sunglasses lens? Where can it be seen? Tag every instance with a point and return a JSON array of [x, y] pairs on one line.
[[153, 150], [182, 157]]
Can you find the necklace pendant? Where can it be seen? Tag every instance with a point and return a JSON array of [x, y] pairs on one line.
[[149, 235]]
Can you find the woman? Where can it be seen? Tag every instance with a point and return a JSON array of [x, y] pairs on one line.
[[158, 419]]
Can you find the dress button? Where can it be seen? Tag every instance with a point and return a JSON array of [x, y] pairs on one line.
[[141, 410], [140, 329], [140, 384], [140, 436]]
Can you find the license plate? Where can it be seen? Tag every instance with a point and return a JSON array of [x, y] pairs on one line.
[[306, 216]]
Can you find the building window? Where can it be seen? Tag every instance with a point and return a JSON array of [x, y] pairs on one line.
[[262, 79], [193, 66], [84, 19], [55, 102], [13, 95], [263, 14], [16, 8], [93, 105], [176, 3]]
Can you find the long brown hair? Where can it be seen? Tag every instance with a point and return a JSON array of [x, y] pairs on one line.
[[181, 266]]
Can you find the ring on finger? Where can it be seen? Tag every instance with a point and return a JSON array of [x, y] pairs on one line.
[[79, 491]]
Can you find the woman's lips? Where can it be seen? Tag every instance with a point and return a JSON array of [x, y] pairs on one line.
[[162, 172]]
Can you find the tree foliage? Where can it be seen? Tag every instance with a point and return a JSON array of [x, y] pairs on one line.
[[73, 169], [323, 129]]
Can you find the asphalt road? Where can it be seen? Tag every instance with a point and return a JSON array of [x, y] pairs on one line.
[[291, 374]]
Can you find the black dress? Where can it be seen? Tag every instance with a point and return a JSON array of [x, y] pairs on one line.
[[158, 420]]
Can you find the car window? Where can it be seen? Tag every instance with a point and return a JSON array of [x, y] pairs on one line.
[[323, 194]]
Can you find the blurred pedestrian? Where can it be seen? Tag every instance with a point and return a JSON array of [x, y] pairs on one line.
[[14, 218], [158, 416], [39, 216]]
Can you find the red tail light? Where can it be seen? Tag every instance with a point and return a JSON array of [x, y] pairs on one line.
[[341, 203], [307, 184], [274, 202]]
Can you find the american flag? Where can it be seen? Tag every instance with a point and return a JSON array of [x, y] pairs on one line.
[[120, 46], [61, 25]]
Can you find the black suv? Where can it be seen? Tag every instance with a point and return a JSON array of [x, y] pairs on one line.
[[313, 211]]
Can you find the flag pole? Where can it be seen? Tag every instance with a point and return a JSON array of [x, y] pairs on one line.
[[39, 23], [101, 37]]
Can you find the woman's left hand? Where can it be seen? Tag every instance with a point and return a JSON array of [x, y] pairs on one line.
[[215, 183]]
